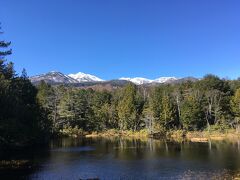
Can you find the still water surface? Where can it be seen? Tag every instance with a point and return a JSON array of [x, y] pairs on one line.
[[120, 158]]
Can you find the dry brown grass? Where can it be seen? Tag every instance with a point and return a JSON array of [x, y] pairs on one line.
[[200, 136], [199, 139], [118, 133]]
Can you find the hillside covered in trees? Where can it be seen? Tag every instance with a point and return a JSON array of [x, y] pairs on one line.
[[211, 103]]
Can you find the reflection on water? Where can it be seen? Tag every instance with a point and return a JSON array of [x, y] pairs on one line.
[[120, 158], [74, 149]]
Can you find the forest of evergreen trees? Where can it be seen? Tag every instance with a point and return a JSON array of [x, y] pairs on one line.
[[22, 120], [210, 103], [30, 114]]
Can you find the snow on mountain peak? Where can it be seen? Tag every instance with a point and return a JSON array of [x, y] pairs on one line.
[[53, 77], [58, 77], [82, 77], [165, 79], [137, 80], [140, 80]]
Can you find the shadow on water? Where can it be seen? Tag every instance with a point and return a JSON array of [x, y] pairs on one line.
[[121, 158], [20, 163]]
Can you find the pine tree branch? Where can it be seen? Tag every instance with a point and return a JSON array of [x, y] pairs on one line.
[[5, 53], [4, 44]]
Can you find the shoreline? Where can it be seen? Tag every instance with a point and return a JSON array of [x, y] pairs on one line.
[[215, 136], [176, 135]]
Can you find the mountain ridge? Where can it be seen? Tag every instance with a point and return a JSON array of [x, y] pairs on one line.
[[55, 77]]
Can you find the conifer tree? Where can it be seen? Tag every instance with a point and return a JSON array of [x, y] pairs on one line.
[[235, 105]]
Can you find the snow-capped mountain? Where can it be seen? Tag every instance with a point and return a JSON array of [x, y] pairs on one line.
[[53, 77], [82, 77], [139, 80], [165, 79]]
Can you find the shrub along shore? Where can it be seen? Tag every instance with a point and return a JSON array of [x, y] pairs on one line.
[[175, 135]]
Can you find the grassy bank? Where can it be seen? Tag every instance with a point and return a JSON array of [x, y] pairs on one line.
[[118, 133], [193, 136], [78, 132], [204, 136], [177, 135]]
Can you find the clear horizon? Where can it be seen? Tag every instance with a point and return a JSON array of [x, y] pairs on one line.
[[114, 39]]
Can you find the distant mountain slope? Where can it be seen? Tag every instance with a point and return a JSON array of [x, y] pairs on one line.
[[52, 78], [87, 80], [165, 80], [186, 79], [82, 77], [137, 80], [140, 81], [101, 85]]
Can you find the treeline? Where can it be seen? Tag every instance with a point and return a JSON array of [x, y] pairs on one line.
[[210, 103]]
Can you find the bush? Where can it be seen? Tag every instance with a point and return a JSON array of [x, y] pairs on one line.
[[71, 131]]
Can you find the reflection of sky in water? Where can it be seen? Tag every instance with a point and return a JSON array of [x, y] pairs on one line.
[[74, 149], [135, 159]]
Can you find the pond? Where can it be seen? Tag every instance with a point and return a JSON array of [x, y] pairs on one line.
[[121, 158]]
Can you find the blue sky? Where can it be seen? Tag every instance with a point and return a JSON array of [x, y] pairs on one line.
[[130, 38]]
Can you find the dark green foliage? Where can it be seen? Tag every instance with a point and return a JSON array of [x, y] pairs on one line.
[[130, 107], [192, 114], [235, 106], [164, 106], [189, 105], [22, 120]]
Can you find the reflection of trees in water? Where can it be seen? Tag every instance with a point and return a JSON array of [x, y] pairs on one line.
[[22, 163], [128, 149], [185, 150], [238, 143], [150, 148], [68, 142], [219, 155], [210, 144], [225, 154]]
